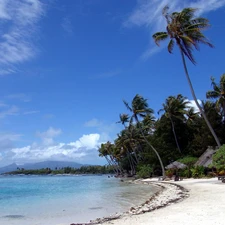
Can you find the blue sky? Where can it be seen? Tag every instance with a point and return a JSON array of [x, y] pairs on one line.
[[66, 66]]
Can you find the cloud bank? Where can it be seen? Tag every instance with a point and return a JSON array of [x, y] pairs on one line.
[[83, 150]]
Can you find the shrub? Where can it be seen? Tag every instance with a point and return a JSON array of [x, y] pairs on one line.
[[186, 172], [219, 159], [198, 171], [144, 171]]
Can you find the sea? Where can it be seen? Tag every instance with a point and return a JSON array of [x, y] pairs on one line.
[[56, 200]]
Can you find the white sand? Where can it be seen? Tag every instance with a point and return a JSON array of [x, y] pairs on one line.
[[205, 205]]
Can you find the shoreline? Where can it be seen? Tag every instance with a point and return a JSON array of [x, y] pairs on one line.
[[204, 206], [160, 199]]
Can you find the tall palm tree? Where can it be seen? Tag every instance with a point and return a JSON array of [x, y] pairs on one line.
[[218, 93], [139, 108], [175, 108], [185, 30]]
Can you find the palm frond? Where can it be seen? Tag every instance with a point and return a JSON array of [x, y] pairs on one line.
[[159, 36], [127, 105], [171, 46]]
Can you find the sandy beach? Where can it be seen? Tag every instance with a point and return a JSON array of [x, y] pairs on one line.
[[205, 205]]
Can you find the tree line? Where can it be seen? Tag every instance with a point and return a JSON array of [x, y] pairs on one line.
[[65, 170], [181, 132]]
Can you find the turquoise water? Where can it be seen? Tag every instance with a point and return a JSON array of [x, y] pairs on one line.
[[81, 198]]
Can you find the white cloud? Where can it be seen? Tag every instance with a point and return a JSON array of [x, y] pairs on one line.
[[7, 140], [18, 19], [148, 13], [19, 96], [11, 111], [31, 112], [93, 123], [49, 135], [107, 131], [193, 104], [6, 71], [82, 149], [67, 25]]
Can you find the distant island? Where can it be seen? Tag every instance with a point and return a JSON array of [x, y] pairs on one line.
[[65, 170], [55, 167]]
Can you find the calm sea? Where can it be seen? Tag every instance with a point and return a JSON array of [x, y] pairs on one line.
[[34, 199]]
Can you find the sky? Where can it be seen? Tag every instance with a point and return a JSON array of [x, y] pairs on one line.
[[67, 65]]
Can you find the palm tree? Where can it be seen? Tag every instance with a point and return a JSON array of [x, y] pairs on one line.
[[191, 115], [185, 30], [175, 108], [124, 118], [139, 108], [218, 93]]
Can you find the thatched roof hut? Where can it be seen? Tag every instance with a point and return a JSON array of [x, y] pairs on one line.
[[206, 158], [176, 165]]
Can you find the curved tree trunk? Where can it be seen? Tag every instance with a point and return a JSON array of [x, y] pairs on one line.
[[159, 158], [175, 136], [196, 101]]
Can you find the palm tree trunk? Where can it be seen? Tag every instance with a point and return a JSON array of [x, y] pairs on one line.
[[175, 136], [159, 158], [196, 101]]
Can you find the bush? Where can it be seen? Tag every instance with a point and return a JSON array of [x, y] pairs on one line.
[[145, 171], [186, 172], [219, 159], [198, 171]]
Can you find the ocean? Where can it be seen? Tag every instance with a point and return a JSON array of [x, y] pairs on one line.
[[34, 199]]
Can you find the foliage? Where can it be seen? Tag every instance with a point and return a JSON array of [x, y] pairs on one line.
[[185, 30], [198, 171], [67, 170], [219, 159], [188, 160], [186, 173], [144, 171]]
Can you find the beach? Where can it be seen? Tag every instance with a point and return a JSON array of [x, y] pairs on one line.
[[186, 202], [205, 205]]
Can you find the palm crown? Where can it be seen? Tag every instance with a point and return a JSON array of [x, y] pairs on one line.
[[218, 93], [185, 30]]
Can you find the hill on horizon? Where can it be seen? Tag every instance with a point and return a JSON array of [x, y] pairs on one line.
[[40, 165]]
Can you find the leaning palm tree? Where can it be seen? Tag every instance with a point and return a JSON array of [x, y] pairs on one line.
[[218, 93], [184, 30], [175, 108], [139, 109]]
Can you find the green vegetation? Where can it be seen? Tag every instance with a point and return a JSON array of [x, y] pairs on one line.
[[219, 160], [144, 171], [146, 144], [66, 170], [185, 31]]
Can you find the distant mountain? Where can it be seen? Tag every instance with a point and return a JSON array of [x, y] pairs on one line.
[[46, 164], [11, 167]]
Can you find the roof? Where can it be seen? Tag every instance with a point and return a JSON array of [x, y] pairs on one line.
[[176, 165], [206, 158]]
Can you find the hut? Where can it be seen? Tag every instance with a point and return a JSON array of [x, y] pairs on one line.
[[206, 158], [176, 166]]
